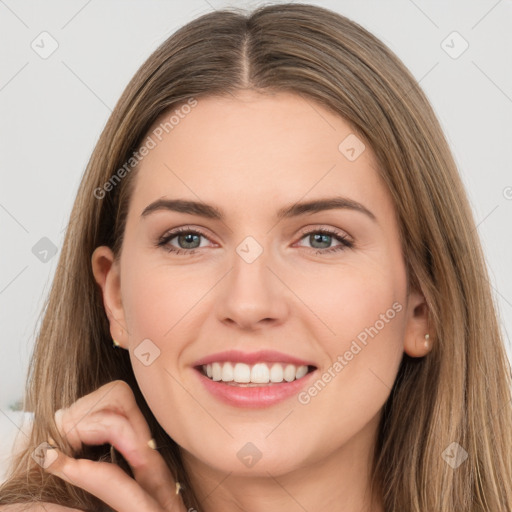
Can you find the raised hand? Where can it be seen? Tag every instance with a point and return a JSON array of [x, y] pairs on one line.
[[110, 415]]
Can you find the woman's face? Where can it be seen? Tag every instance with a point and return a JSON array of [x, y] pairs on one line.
[[252, 271]]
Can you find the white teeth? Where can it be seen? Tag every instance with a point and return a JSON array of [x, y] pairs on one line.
[[227, 372], [259, 373], [242, 373], [301, 371], [276, 373], [289, 373], [216, 371]]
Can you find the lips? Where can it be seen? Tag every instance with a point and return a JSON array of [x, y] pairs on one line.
[[252, 394], [262, 356]]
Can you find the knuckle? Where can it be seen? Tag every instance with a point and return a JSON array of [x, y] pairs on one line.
[[124, 390], [113, 422], [63, 420], [108, 388], [84, 466], [116, 394]]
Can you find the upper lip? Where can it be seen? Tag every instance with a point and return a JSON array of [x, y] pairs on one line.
[[270, 356]]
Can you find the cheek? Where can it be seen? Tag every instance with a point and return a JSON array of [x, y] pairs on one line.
[[369, 315], [359, 325], [350, 303], [161, 307], [159, 302]]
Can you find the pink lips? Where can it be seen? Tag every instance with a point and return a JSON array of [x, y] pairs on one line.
[[255, 397], [262, 356]]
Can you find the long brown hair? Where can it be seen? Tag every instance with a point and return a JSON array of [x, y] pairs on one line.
[[459, 393]]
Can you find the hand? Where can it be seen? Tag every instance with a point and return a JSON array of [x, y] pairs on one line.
[[111, 415]]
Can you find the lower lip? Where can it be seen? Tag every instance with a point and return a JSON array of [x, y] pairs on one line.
[[255, 397]]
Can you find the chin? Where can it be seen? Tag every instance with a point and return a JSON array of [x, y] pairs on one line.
[[247, 459]]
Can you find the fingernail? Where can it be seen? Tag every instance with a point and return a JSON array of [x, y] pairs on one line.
[[152, 443], [52, 442], [50, 456]]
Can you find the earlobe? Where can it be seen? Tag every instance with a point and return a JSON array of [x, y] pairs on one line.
[[106, 274], [418, 335]]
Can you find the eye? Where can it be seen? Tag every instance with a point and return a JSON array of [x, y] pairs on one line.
[[189, 239], [322, 237]]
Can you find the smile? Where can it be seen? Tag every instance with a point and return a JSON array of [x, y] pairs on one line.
[[263, 373], [254, 386]]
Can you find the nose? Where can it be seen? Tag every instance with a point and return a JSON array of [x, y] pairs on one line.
[[252, 295]]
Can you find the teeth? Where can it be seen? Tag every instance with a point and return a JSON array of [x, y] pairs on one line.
[[227, 372], [301, 371], [276, 373], [259, 373], [289, 373], [242, 373], [216, 371]]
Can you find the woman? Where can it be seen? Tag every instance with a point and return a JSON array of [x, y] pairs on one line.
[[251, 368]]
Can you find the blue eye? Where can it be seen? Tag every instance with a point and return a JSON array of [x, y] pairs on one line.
[[187, 236], [190, 240], [322, 236]]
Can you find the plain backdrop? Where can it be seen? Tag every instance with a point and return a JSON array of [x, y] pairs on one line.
[[53, 108]]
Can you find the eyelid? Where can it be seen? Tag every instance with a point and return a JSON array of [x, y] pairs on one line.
[[187, 228], [320, 227]]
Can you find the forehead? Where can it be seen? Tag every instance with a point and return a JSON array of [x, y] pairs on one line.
[[258, 149]]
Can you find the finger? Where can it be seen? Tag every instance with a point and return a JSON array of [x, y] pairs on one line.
[[106, 481], [130, 439], [148, 466], [115, 396]]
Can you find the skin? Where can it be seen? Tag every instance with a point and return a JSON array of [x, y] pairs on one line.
[[250, 155]]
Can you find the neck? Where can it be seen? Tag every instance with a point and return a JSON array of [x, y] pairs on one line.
[[339, 481]]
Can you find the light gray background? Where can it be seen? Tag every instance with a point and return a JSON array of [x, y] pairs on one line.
[[52, 111]]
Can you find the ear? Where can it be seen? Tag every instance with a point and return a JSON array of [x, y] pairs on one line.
[[107, 275], [417, 326]]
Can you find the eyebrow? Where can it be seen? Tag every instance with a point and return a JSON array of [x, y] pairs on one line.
[[294, 210]]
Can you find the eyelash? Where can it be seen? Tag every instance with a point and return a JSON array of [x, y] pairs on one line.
[[165, 239]]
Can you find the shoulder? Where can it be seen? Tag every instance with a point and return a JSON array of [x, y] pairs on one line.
[[36, 507]]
